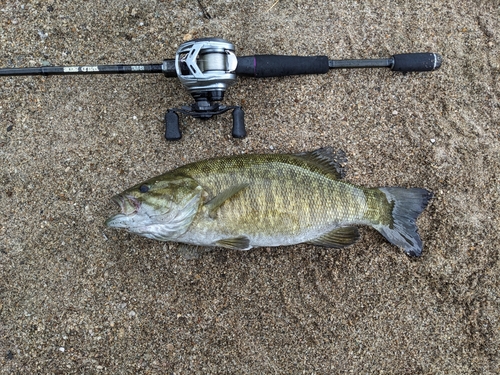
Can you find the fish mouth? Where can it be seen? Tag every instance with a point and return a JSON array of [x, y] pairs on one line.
[[129, 206]]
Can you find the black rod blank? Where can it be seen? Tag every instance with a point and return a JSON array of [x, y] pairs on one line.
[[366, 63], [87, 69], [406, 62]]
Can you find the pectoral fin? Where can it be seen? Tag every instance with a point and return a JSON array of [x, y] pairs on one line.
[[338, 238], [213, 204], [236, 243]]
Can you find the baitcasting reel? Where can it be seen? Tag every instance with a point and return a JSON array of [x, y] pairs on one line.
[[208, 66]]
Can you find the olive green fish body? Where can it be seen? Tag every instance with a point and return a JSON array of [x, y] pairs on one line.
[[282, 204], [249, 201]]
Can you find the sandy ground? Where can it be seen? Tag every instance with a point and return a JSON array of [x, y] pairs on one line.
[[76, 297]]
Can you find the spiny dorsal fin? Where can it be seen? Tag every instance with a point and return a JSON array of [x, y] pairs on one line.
[[338, 238], [236, 243], [326, 161], [217, 201]]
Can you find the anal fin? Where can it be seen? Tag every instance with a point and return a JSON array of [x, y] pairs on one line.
[[338, 238]]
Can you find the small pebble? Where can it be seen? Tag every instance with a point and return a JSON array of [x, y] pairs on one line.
[[42, 35]]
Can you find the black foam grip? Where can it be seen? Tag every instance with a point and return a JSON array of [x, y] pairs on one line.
[[416, 62], [279, 66]]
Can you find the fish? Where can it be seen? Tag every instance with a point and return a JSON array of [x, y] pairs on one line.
[[265, 200]]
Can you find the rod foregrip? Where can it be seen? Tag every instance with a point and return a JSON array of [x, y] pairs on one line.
[[416, 62], [279, 66]]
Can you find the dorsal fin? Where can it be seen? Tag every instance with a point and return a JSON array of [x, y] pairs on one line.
[[326, 161]]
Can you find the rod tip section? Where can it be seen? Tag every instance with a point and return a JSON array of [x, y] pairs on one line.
[[416, 62]]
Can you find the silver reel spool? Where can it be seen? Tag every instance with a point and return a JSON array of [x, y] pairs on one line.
[[206, 67]]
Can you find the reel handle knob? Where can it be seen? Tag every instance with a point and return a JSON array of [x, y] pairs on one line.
[[238, 123], [172, 131]]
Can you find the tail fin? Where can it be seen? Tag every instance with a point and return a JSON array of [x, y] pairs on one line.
[[406, 204]]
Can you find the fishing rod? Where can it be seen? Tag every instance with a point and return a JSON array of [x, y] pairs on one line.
[[206, 67]]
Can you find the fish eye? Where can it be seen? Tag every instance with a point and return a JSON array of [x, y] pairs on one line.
[[144, 188]]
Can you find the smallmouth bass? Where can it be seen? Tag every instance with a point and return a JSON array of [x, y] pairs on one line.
[[245, 201]]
